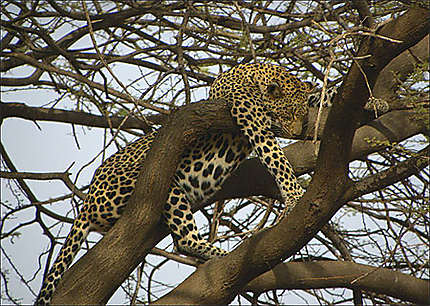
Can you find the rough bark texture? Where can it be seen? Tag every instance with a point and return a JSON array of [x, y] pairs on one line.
[[399, 69], [128, 239]]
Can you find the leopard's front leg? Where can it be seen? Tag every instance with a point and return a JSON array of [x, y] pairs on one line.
[[254, 122]]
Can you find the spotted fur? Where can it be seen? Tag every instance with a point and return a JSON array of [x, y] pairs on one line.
[[261, 95]]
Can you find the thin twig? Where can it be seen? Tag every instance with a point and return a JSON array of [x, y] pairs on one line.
[[139, 279], [136, 103]]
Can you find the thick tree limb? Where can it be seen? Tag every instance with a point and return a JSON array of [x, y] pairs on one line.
[[133, 235], [330, 275], [364, 12], [342, 274], [399, 69]]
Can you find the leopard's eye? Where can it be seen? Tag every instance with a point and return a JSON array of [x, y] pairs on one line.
[[274, 90]]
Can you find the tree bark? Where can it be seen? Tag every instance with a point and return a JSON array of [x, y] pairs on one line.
[[132, 237], [342, 274]]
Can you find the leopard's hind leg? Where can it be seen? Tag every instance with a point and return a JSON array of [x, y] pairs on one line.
[[180, 220]]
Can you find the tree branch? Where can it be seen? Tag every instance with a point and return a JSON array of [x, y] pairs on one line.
[[63, 176], [399, 69], [342, 274], [104, 21], [389, 176], [20, 110], [138, 229]]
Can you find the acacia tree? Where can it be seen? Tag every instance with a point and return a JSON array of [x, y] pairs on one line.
[[124, 66]]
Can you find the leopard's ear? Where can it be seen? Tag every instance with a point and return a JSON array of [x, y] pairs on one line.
[[274, 90]]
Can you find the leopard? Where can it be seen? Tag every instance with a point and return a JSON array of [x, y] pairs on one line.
[[260, 95]]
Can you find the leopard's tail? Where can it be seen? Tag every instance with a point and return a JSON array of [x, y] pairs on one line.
[[77, 235]]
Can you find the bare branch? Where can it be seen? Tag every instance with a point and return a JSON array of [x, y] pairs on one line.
[[20, 110], [338, 274], [63, 176]]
